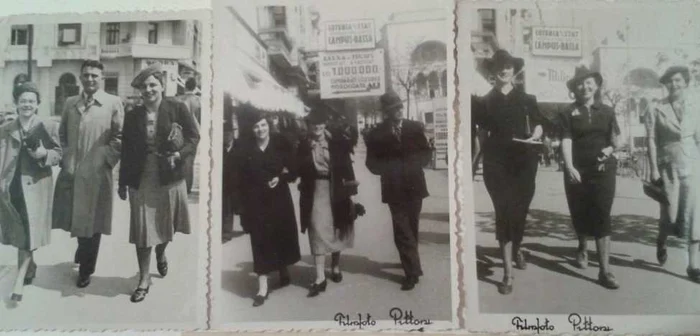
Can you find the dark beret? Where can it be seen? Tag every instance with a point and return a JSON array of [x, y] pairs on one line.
[[152, 69]]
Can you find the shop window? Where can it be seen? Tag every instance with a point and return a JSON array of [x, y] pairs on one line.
[[112, 83], [20, 35], [279, 16], [113, 33], [152, 33], [69, 34]]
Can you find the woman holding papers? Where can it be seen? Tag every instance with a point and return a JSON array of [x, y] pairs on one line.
[[510, 123]]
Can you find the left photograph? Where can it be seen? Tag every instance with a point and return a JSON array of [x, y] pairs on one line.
[[103, 170]]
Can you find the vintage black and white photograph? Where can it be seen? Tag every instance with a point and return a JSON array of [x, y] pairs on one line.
[[584, 165], [335, 181], [102, 171]]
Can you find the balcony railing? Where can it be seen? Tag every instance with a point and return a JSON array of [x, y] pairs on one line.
[[276, 33], [116, 50]]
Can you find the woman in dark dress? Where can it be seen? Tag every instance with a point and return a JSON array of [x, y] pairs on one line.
[[266, 166], [589, 135], [510, 124]]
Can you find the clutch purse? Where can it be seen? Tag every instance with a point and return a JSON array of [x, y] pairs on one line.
[[654, 189], [175, 139]]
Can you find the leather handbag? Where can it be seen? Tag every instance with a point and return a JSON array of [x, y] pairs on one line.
[[654, 189], [175, 139]]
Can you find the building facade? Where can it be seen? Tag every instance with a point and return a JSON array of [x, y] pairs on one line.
[[125, 48]]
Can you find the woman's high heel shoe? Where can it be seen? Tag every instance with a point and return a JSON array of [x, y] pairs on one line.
[[317, 288], [259, 300], [139, 294], [506, 286]]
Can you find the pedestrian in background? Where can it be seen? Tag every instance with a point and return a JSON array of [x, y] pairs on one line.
[[266, 166], [505, 114], [91, 138], [589, 136], [397, 151], [159, 136], [194, 106], [670, 158], [327, 182], [29, 147]]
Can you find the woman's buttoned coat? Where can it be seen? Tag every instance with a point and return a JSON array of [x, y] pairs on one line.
[[37, 186]]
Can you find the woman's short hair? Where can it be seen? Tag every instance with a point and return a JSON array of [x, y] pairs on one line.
[[26, 87]]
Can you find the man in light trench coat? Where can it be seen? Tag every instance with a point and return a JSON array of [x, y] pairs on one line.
[[90, 133]]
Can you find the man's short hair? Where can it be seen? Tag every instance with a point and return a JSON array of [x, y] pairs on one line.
[[92, 64], [190, 84]]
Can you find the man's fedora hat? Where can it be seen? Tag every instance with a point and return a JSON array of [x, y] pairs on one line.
[[501, 58], [683, 70], [389, 101], [580, 74]]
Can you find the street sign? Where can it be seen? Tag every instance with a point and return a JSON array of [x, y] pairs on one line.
[[556, 41], [350, 35], [344, 74]]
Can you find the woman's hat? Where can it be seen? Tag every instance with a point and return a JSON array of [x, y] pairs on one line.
[[389, 101], [683, 70], [501, 58], [145, 73], [582, 73], [25, 87]]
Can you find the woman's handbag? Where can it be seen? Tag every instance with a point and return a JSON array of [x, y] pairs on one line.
[[175, 139], [655, 190]]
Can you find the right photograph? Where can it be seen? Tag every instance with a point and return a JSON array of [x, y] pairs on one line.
[[585, 165]]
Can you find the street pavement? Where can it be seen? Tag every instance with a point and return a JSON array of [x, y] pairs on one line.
[[53, 300], [552, 285], [371, 270]]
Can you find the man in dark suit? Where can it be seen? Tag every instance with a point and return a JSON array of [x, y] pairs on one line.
[[397, 150]]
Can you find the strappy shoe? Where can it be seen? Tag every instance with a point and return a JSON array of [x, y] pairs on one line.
[[162, 268], [259, 300], [316, 289], [661, 253], [582, 259], [506, 286], [139, 294], [607, 280], [520, 262]]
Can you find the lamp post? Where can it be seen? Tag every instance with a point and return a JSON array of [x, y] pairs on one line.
[[30, 44]]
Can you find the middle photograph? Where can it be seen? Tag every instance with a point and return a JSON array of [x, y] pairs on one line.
[[335, 180]]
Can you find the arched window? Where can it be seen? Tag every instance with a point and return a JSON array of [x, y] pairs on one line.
[[421, 85], [67, 79], [19, 79], [443, 82], [429, 52], [67, 86], [433, 84]]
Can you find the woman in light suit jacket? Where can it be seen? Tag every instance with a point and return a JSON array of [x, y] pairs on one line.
[[28, 149]]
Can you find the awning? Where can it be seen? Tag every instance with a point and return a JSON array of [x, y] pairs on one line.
[[248, 82]]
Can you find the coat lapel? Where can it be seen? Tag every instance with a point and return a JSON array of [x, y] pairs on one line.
[[14, 131], [668, 115]]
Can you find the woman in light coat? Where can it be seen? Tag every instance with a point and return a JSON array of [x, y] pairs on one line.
[[28, 149]]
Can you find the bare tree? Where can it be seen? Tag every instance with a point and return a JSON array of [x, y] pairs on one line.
[[405, 74]]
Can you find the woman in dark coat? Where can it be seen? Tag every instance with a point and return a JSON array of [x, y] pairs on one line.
[[589, 135], [510, 125], [326, 186], [266, 166], [158, 137]]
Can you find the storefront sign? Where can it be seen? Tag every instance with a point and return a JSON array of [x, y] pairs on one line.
[[349, 35], [546, 79], [346, 74], [556, 41]]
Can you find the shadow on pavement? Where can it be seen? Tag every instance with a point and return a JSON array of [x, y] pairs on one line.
[[243, 282], [433, 237], [626, 228], [439, 216], [62, 277]]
